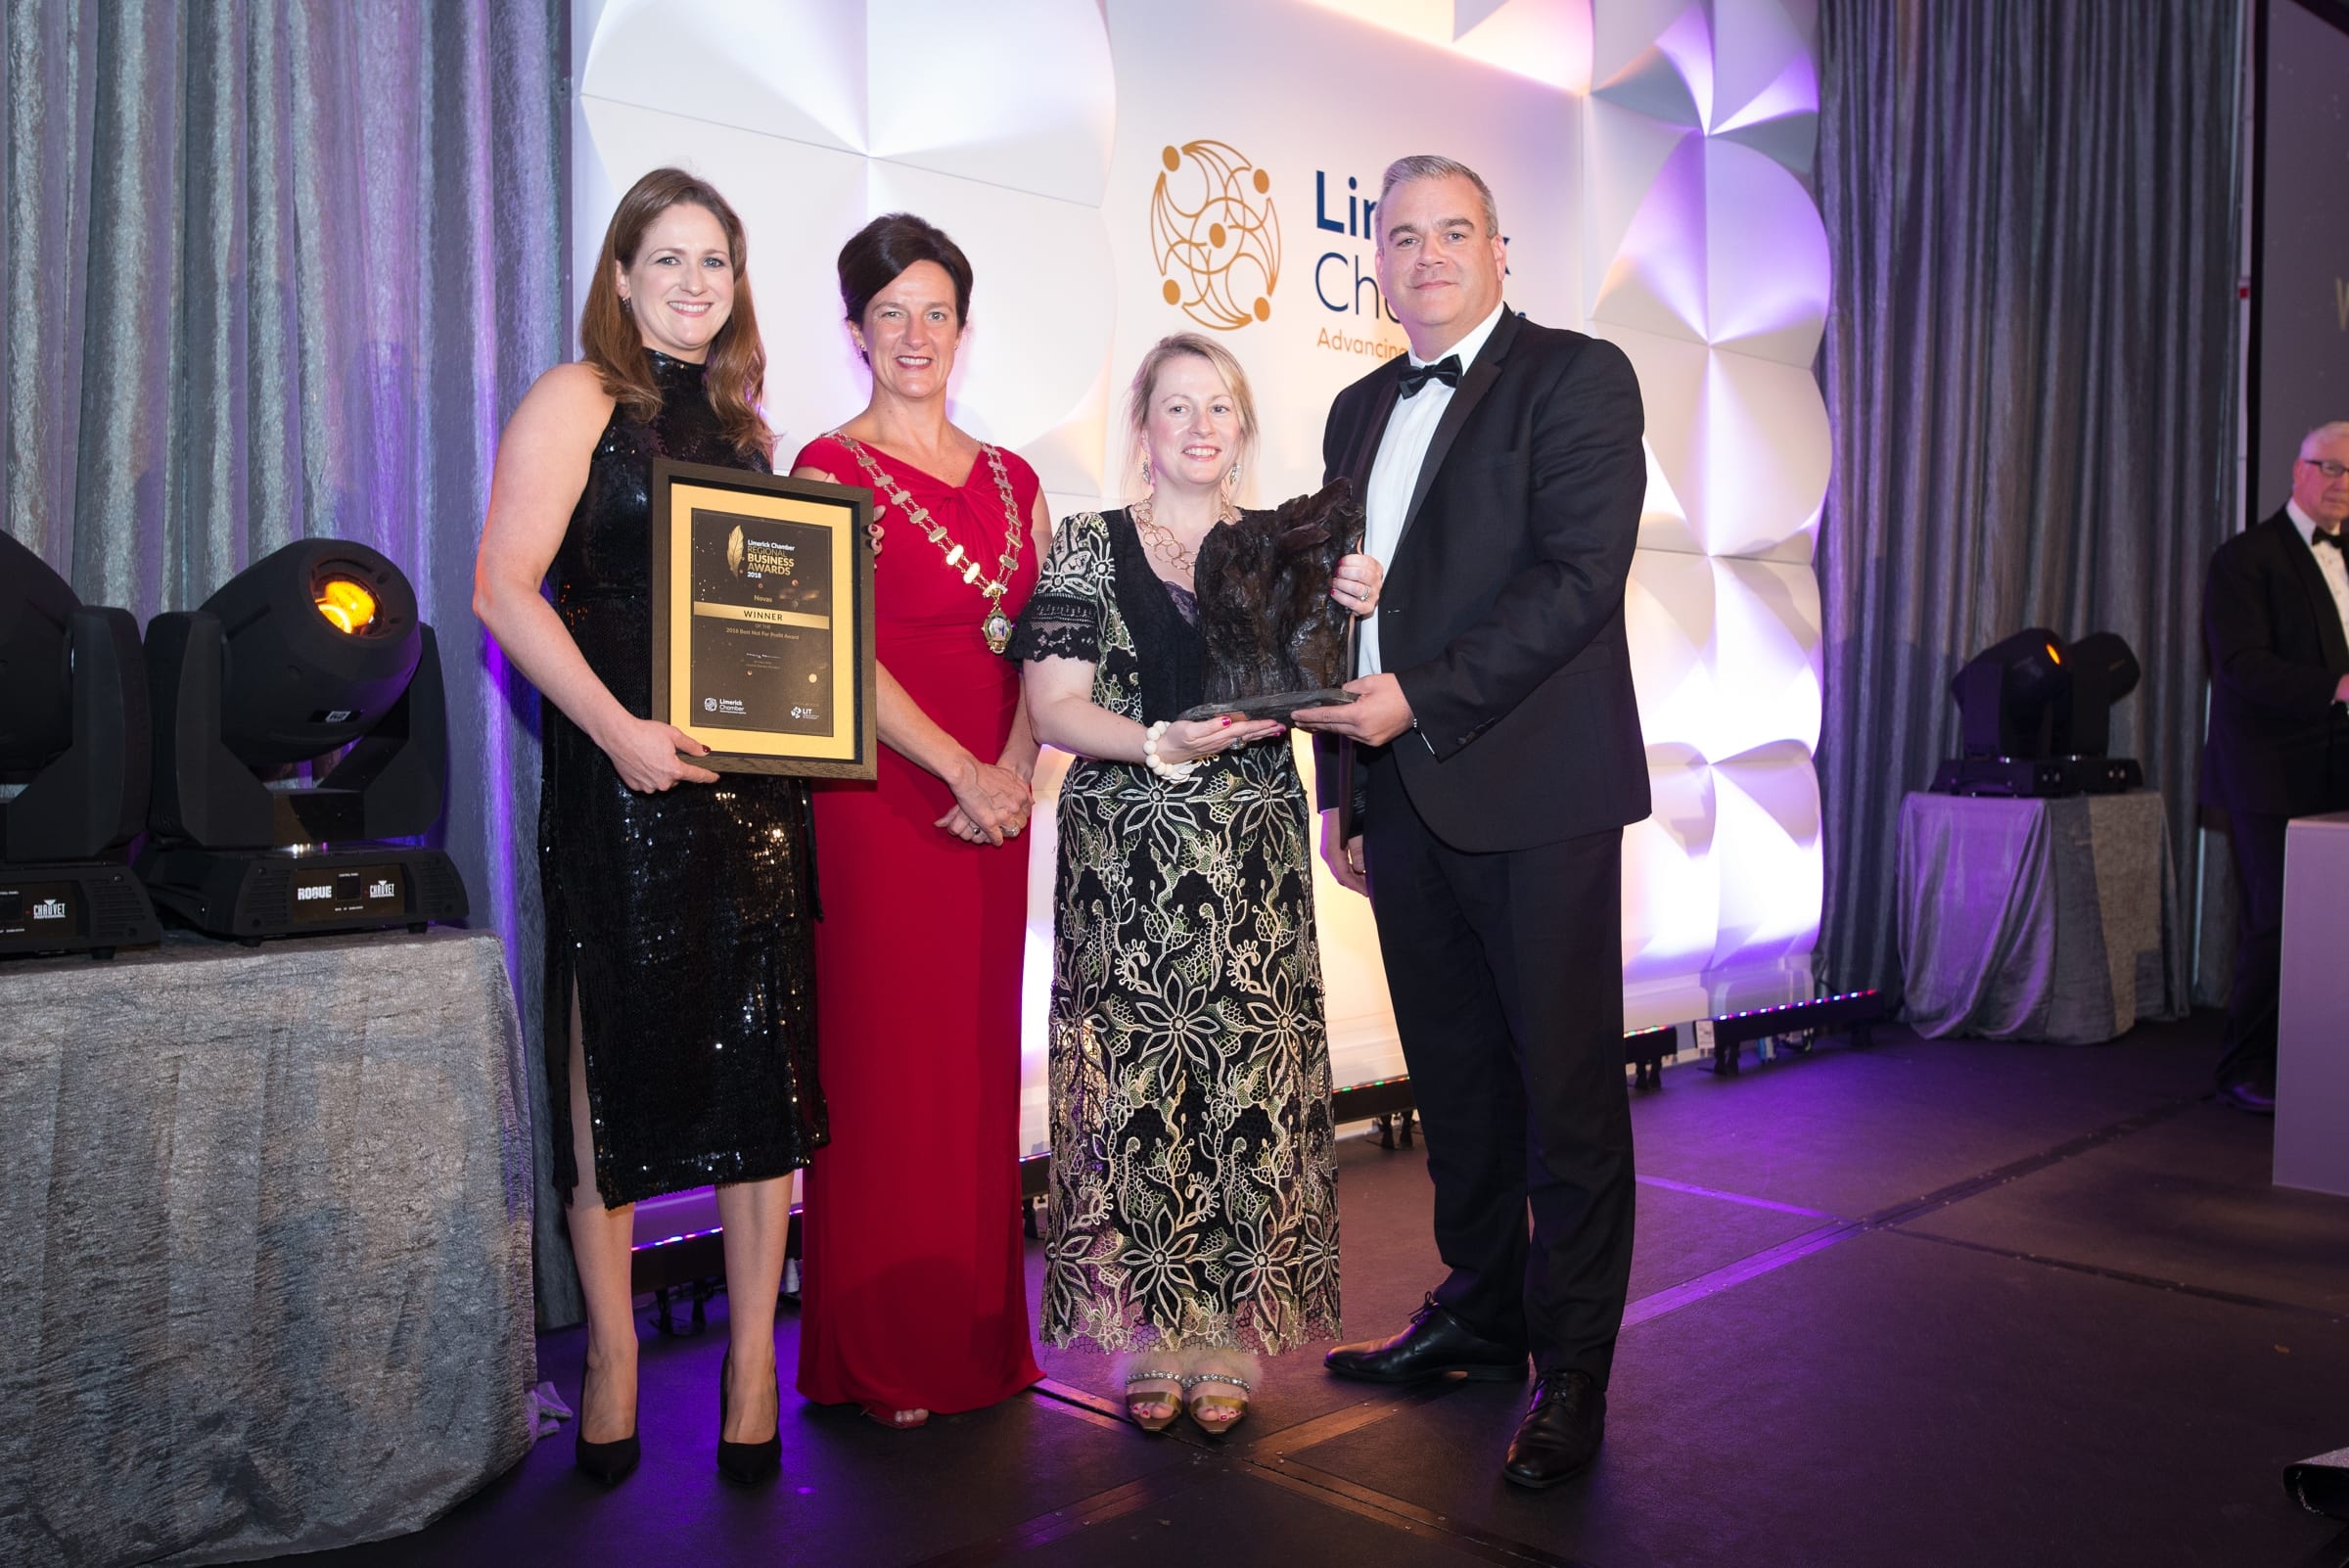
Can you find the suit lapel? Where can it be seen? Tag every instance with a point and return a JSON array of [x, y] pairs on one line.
[[1363, 450], [1464, 399], [1355, 467], [2312, 582]]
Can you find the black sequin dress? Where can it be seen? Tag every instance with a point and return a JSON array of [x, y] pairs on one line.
[[683, 916]]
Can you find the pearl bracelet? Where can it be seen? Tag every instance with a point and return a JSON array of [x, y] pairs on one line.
[[1173, 772]]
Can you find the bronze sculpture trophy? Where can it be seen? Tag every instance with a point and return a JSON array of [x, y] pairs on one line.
[[1276, 640]]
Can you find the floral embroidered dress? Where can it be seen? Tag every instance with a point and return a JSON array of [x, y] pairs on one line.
[[1193, 1200]]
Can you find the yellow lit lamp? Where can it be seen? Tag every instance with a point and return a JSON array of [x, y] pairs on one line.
[[300, 720], [347, 603]]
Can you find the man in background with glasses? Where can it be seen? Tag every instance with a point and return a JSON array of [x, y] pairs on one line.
[[2275, 631]]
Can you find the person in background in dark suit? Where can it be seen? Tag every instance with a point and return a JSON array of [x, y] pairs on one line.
[[1497, 758], [2275, 630]]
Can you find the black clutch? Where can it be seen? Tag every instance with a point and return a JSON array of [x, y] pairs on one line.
[[1276, 640]]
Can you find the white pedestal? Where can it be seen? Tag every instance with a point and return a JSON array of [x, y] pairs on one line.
[[2312, 1035]]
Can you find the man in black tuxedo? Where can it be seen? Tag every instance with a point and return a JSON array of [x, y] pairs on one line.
[[1495, 759], [2275, 630]]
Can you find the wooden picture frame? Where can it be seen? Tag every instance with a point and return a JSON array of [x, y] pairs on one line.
[[762, 619]]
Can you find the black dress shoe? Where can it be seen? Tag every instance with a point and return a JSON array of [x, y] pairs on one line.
[[746, 1462], [607, 1463], [1559, 1435], [2245, 1095], [1436, 1343]]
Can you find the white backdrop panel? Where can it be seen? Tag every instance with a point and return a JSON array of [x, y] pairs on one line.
[[1766, 844], [789, 69], [1017, 93], [1761, 434], [1671, 895], [1548, 40], [1669, 619], [1766, 657]]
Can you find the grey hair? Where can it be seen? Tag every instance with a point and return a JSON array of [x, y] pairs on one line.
[[1435, 167], [2336, 431]]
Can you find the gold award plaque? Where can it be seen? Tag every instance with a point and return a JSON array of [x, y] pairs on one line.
[[763, 595]]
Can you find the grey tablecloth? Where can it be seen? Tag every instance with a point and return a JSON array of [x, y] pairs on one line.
[[2039, 919], [264, 1245]]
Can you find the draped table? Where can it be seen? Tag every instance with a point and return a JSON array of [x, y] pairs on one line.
[[264, 1245], [2312, 1012], [2046, 919]]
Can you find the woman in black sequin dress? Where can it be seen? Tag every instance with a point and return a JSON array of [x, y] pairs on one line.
[[680, 1040]]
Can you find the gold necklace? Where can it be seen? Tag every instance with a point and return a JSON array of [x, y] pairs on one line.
[[1159, 540], [995, 628]]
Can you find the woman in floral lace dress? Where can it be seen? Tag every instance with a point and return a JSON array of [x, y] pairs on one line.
[[1194, 1204]]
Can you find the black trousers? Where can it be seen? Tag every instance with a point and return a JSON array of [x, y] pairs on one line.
[[2249, 1038], [1507, 973]]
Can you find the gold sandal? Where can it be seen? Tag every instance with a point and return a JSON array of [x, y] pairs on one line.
[[1152, 1399], [1217, 1413]]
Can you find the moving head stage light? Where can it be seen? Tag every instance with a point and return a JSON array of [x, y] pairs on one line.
[[311, 651], [2035, 718], [73, 766]]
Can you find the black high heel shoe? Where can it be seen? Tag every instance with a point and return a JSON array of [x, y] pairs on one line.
[[746, 1462], [607, 1463]]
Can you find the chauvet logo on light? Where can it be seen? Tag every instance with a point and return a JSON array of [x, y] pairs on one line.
[[1215, 235], [49, 909]]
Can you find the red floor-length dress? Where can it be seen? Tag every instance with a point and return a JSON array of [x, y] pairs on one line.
[[914, 1294]]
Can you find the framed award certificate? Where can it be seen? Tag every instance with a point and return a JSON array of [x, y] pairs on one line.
[[762, 619]]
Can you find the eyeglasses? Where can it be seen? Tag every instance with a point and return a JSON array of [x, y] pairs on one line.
[[2330, 469]]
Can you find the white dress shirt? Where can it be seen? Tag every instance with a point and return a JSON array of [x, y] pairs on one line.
[[1394, 474], [2329, 562]]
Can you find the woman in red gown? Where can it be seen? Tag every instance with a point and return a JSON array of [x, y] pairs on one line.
[[912, 1295]]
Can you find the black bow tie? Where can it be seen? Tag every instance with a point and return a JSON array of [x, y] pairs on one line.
[[1446, 370], [2331, 537]]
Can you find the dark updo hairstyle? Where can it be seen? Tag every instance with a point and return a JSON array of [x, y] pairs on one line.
[[735, 369], [887, 246]]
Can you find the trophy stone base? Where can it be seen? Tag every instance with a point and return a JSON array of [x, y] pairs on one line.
[[1279, 704]]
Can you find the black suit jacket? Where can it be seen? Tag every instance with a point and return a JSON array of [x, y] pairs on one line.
[[1502, 614], [2277, 743]]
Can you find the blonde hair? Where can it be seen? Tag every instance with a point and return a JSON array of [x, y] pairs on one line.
[[1145, 386]]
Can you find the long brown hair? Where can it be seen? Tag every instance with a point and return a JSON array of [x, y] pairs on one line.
[[613, 345]]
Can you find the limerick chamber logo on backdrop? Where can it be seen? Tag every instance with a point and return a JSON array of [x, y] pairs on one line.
[[1215, 235]]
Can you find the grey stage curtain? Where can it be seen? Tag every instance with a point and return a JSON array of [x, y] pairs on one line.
[[277, 270], [2030, 371]]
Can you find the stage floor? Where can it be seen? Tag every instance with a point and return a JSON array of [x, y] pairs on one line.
[[1934, 1303]]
